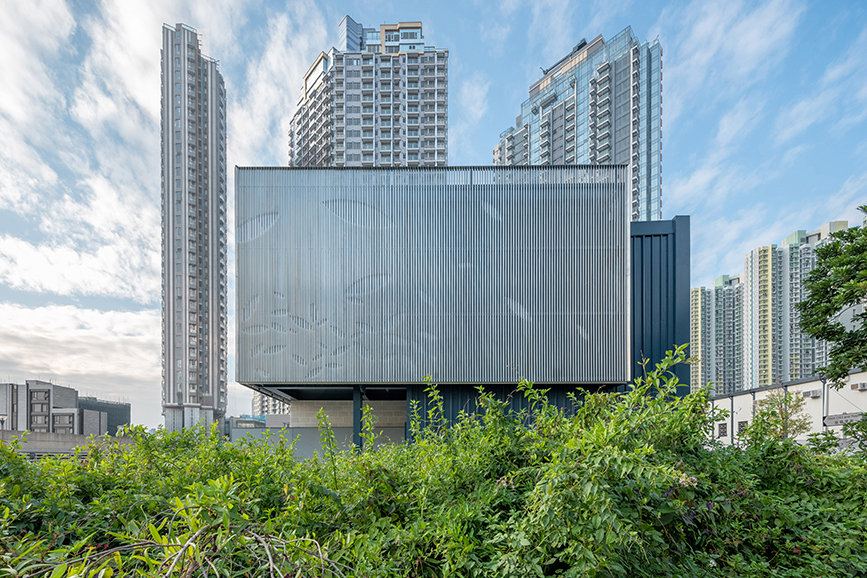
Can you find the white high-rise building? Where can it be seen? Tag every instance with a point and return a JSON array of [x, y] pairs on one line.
[[267, 405], [379, 99], [193, 132]]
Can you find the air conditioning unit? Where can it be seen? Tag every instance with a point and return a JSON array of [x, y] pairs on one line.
[[862, 387], [813, 393]]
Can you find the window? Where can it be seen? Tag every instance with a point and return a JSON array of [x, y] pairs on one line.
[[723, 430], [742, 427]]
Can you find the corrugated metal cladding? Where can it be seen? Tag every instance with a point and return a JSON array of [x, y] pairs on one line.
[[660, 292], [470, 275]]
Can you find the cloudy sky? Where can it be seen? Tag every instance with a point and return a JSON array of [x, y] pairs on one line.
[[764, 117]]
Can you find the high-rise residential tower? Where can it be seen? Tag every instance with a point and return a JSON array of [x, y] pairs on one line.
[[746, 330], [193, 134], [727, 337], [267, 405], [599, 104], [701, 320], [379, 99]]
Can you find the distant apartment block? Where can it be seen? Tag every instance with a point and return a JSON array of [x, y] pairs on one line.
[[268, 405], [194, 313], [746, 330], [700, 329], [599, 104], [43, 407], [380, 98]]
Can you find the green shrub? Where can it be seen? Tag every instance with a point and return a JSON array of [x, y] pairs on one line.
[[626, 485]]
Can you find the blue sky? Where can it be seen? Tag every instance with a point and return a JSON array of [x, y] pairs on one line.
[[764, 117]]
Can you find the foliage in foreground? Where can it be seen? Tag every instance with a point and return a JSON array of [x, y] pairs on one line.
[[836, 286], [627, 486]]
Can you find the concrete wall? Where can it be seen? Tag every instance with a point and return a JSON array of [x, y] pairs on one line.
[[39, 444], [277, 420], [307, 439], [829, 402], [389, 414], [93, 422]]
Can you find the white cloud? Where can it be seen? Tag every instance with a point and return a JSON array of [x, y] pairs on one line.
[[716, 177], [714, 49], [842, 94], [472, 104], [720, 242], [495, 36], [551, 28], [260, 116], [106, 353], [30, 34]]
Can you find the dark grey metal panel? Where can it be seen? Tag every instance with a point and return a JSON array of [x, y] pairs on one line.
[[471, 275], [660, 291]]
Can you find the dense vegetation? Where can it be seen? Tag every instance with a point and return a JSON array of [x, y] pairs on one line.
[[624, 485], [835, 288]]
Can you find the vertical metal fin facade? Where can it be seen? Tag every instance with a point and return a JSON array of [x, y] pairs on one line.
[[469, 275]]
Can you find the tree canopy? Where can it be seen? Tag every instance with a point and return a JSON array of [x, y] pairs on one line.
[[834, 309]]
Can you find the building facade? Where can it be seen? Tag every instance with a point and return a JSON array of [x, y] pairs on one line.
[[825, 408], [659, 304], [194, 246], [701, 320], [378, 99], [117, 412], [42, 407], [746, 329], [378, 277], [727, 334], [600, 104], [268, 405]]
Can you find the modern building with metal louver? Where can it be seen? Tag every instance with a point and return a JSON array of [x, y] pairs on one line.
[[472, 275]]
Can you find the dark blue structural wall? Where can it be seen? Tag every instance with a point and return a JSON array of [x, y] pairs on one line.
[[660, 292]]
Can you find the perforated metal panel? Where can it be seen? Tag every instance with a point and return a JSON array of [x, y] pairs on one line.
[[470, 275]]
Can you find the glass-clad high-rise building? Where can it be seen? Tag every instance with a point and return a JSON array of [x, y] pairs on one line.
[[193, 132], [600, 104]]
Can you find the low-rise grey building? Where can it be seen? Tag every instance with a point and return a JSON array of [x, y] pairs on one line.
[[47, 408]]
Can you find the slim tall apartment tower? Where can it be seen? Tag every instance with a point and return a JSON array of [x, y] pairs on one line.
[[728, 296], [379, 99], [701, 330], [763, 319], [193, 132], [599, 104]]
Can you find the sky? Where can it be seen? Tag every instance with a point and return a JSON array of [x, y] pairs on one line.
[[764, 117]]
